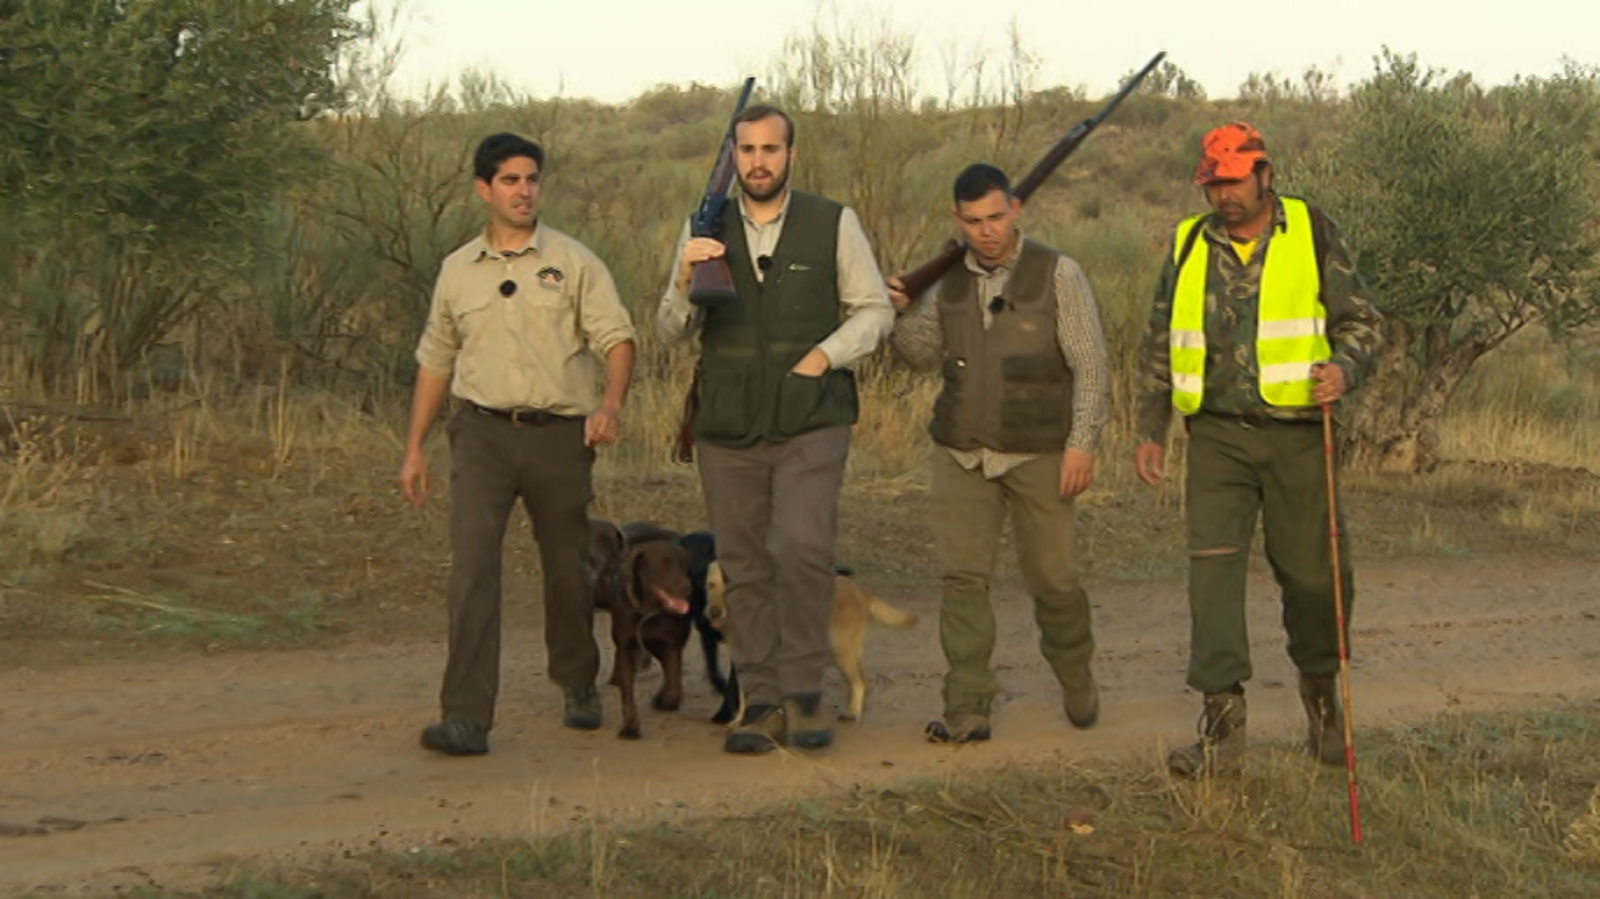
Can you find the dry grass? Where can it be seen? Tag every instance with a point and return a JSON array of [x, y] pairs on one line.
[[272, 517], [1511, 435], [1495, 805]]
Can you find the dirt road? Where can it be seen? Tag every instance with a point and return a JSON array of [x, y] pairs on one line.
[[171, 771]]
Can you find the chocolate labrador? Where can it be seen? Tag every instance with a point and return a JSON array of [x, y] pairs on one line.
[[642, 580]]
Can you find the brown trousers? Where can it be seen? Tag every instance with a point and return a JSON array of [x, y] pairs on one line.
[[493, 462], [775, 510]]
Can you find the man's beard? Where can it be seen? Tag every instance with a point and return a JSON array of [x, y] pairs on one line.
[[1232, 213], [778, 184]]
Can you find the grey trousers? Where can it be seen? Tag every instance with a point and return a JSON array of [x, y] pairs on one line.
[[493, 462], [775, 510]]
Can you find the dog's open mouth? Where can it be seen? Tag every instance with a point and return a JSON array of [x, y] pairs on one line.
[[677, 605]]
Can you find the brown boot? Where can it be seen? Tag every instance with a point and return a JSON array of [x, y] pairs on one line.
[[959, 727], [1082, 702], [1324, 719], [762, 729], [1222, 738]]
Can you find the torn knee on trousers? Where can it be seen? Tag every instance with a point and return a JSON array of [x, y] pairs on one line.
[[1214, 551]]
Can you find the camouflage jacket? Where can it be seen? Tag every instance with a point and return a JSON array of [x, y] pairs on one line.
[[1233, 288]]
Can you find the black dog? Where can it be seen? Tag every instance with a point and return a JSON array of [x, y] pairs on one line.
[[702, 549]]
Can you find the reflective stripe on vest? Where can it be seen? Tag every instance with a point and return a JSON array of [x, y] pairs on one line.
[[1291, 320]]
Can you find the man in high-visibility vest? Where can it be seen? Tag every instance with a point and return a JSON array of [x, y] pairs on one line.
[[1260, 317]]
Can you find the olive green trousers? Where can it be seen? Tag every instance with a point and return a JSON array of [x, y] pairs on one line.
[[969, 512], [1241, 470]]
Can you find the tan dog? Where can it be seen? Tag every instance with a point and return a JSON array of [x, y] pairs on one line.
[[853, 610]]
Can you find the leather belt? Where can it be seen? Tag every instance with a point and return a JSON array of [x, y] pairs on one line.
[[525, 416], [1259, 421]]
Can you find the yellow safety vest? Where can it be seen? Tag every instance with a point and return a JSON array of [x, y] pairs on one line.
[[1291, 322]]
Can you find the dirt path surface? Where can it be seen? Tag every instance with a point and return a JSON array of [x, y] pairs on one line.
[[170, 772]]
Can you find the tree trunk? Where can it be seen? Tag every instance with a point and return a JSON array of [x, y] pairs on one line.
[[1412, 444], [1371, 415]]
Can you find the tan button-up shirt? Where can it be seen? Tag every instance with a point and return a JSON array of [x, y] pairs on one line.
[[868, 313], [920, 342], [538, 347]]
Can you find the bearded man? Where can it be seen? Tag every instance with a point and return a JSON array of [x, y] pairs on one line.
[[777, 400]]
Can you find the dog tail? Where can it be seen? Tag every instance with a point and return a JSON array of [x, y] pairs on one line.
[[889, 616]]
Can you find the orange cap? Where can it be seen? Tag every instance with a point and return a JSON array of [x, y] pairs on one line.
[[1230, 153]]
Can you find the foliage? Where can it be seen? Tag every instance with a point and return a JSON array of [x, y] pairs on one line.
[[161, 115], [1315, 85], [137, 141], [1474, 210], [1169, 80], [156, 233]]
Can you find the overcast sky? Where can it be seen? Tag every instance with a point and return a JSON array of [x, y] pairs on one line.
[[613, 50]]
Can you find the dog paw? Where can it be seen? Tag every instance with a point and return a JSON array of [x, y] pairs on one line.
[[662, 704], [631, 732]]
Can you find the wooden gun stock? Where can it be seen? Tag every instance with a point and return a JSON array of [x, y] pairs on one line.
[[683, 446], [711, 283], [917, 281]]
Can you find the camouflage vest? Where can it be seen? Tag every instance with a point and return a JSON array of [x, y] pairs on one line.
[[1006, 387]]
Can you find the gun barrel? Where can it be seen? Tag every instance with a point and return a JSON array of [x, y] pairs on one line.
[[722, 173], [921, 278], [1065, 147], [712, 283]]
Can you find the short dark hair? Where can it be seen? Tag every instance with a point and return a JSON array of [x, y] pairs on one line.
[[497, 148], [761, 112], [977, 181]]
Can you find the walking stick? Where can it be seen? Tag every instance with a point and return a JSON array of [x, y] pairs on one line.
[[1338, 611]]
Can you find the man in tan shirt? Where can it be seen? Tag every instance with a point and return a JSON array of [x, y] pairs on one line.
[[519, 316]]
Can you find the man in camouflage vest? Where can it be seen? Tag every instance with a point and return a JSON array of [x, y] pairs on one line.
[[777, 399], [1260, 317], [1017, 335]]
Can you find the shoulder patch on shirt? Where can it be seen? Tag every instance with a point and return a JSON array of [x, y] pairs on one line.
[[551, 277]]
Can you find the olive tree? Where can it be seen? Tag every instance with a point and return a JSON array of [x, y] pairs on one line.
[[138, 140], [1473, 210]]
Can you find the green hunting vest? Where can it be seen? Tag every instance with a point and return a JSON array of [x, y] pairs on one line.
[[1291, 326], [747, 393], [1006, 387]]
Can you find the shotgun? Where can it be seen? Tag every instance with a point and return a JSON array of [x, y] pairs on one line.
[[711, 283], [918, 280]]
